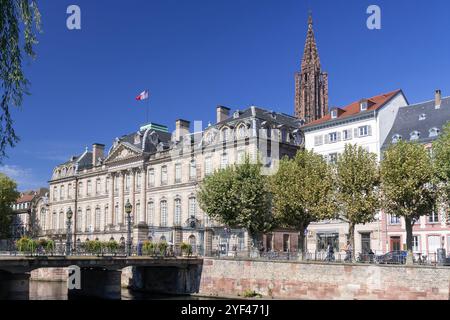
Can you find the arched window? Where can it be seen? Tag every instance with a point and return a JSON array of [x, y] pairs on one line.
[[97, 219], [192, 207], [150, 213], [163, 209], [242, 132], [162, 239], [42, 219], [79, 220], [177, 213], [225, 134], [193, 243]]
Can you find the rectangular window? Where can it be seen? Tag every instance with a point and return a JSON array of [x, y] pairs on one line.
[[138, 181], [347, 134], [150, 213], [61, 193], [192, 170], [116, 184], [80, 189], [332, 137], [434, 243], [163, 175], [318, 140], [178, 173], [393, 219], [69, 191], [433, 217], [416, 241], [332, 158], [89, 188], [363, 131], [55, 193], [127, 182], [208, 166], [192, 207], [151, 178], [224, 161], [107, 182], [98, 187], [163, 213]]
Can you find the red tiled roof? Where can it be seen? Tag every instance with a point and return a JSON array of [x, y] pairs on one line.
[[25, 198], [375, 103]]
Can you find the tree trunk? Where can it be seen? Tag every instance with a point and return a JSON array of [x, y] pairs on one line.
[[409, 240], [301, 244], [352, 241]]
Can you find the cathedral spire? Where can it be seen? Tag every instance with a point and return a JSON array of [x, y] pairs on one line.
[[310, 53], [311, 84]]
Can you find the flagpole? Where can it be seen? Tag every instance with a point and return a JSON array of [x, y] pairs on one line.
[[148, 106]]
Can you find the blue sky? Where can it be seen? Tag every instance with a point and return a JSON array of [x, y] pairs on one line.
[[196, 54]]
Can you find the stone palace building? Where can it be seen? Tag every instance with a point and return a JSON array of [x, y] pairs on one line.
[[159, 174]]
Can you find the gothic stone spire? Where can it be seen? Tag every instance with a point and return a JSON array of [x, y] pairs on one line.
[[311, 84]]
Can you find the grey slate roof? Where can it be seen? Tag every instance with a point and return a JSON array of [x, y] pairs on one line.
[[408, 121]]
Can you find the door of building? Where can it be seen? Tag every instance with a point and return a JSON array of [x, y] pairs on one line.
[[395, 244], [365, 243]]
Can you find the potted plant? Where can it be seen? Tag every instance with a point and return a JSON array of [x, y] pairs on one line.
[[162, 246], [186, 249]]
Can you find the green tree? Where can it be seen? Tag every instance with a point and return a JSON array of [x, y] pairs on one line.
[[441, 157], [357, 180], [8, 196], [407, 177], [303, 192], [19, 23], [238, 196]]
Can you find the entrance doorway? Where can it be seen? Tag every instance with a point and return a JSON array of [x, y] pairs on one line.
[[365, 243], [395, 244]]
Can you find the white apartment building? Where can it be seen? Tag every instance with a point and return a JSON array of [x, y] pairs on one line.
[[366, 123]]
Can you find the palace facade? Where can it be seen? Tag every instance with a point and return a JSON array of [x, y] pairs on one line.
[[159, 174]]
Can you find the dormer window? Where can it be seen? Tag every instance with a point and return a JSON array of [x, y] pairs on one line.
[[137, 138], [423, 116], [434, 132], [415, 135], [363, 105], [334, 114], [236, 115], [396, 138]]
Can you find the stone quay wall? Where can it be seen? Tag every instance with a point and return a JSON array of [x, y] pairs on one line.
[[306, 280]]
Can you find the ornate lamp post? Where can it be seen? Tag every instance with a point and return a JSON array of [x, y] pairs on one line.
[[69, 215], [128, 209]]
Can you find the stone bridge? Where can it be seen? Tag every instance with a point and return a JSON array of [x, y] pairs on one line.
[[101, 276]]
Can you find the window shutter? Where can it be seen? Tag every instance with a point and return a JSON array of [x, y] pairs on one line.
[[369, 130], [327, 138], [356, 133]]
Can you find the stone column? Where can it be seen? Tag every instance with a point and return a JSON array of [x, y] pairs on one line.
[[142, 219], [121, 198], [132, 195], [110, 219]]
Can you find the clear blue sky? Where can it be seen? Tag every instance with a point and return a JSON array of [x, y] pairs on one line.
[[196, 54]]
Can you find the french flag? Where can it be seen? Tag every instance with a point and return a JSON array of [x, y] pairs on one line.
[[143, 96]]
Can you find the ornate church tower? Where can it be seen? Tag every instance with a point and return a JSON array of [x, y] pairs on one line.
[[311, 84]]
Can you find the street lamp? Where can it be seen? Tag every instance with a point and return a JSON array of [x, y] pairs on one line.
[[128, 209], [69, 215]]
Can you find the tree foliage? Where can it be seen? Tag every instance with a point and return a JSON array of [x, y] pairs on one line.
[[303, 192], [8, 196], [19, 23], [407, 177], [357, 179], [441, 154], [238, 196]]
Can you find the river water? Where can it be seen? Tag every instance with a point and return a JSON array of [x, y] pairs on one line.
[[41, 290]]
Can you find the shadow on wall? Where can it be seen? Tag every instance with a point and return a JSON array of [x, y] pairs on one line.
[[166, 280]]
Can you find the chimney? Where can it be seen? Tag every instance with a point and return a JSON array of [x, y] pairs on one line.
[[97, 152], [437, 99], [181, 128], [222, 113]]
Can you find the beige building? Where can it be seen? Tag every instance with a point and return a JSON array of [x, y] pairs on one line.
[[159, 173]]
